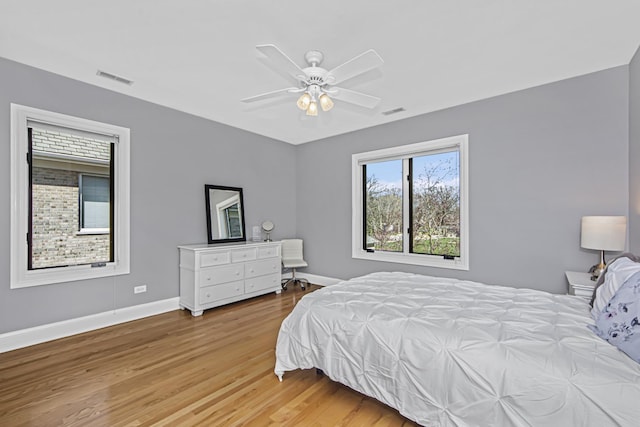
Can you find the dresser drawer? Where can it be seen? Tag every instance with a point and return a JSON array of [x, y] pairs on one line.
[[268, 251], [215, 293], [208, 259], [217, 275], [260, 268], [272, 281], [242, 255]]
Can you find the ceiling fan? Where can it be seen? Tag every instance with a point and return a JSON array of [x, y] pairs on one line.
[[316, 84]]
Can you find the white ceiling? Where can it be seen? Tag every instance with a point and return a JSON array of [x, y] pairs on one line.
[[200, 56]]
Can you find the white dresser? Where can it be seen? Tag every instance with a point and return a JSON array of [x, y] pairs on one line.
[[214, 275]]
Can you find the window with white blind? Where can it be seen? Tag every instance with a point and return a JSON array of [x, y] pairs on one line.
[[70, 198]]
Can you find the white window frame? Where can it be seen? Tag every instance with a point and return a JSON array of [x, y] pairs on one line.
[[20, 276], [459, 143]]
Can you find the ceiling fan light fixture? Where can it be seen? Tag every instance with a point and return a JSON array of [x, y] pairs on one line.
[[316, 84], [325, 102], [304, 101], [312, 110]]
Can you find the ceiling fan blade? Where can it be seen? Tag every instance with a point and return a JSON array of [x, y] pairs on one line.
[[282, 61], [353, 97], [360, 64], [271, 94]]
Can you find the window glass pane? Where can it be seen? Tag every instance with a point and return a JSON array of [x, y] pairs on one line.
[[436, 204], [383, 206], [61, 162], [95, 202]]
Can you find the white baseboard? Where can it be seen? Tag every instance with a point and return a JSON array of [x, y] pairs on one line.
[[39, 334], [318, 280]]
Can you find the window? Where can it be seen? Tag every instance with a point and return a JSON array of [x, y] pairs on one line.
[[229, 217], [70, 198], [94, 203], [410, 204]]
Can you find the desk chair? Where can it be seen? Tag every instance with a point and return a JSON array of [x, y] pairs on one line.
[[292, 258]]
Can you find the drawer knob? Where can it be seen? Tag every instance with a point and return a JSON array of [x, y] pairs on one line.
[[209, 278], [208, 295], [237, 273]]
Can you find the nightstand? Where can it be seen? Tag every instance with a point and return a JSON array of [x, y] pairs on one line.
[[580, 284]]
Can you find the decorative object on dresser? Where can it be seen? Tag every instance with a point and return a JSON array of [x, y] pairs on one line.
[[268, 227], [580, 284], [225, 214], [257, 234], [603, 233], [214, 275]]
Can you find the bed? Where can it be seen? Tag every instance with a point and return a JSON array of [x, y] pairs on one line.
[[446, 352]]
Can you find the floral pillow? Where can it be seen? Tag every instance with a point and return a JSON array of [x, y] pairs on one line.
[[617, 272], [619, 322]]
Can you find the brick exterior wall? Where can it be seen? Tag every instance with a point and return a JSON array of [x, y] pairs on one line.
[[56, 210], [72, 145]]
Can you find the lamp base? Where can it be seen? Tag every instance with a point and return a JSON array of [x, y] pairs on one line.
[[597, 270]]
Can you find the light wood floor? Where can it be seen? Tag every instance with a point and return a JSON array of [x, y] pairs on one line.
[[174, 369]]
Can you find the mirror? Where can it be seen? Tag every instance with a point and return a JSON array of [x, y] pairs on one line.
[[225, 214], [268, 227]]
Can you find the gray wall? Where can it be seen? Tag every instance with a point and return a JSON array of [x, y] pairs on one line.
[[172, 156], [540, 159], [634, 154]]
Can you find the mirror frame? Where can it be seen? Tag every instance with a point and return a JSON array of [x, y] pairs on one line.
[[207, 197]]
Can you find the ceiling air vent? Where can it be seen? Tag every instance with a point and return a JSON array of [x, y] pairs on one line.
[[394, 111], [114, 77]]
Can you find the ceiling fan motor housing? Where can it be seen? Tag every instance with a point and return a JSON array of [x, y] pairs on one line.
[[315, 75], [316, 79]]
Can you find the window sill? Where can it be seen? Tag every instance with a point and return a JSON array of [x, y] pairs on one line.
[[88, 231], [49, 276], [413, 259]]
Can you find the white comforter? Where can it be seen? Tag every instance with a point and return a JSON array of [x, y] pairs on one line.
[[455, 353]]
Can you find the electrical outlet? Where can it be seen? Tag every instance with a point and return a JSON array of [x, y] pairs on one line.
[[140, 289]]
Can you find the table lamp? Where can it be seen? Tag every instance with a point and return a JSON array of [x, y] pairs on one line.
[[603, 233]]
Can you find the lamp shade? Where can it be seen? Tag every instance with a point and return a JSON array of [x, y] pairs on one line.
[[312, 110], [605, 233], [325, 102], [304, 101]]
